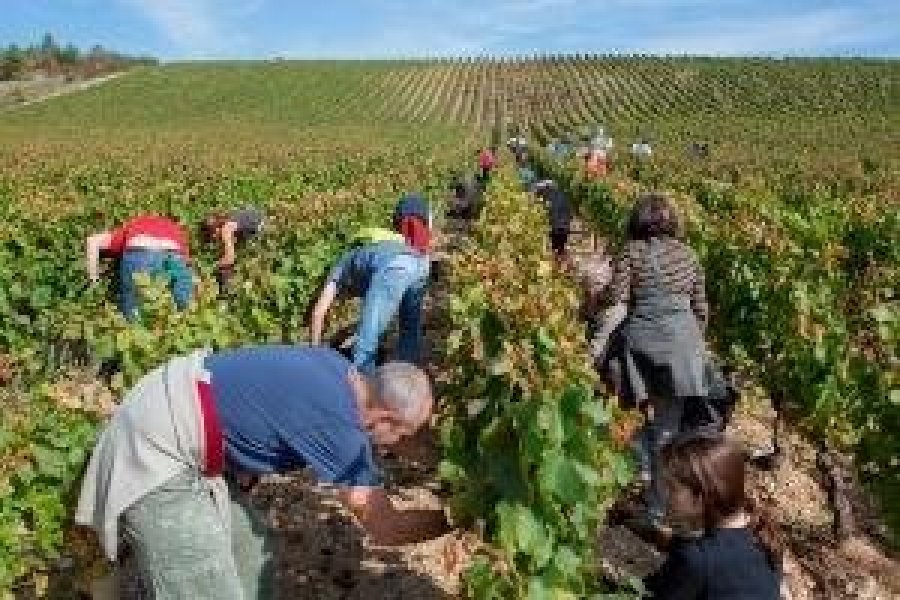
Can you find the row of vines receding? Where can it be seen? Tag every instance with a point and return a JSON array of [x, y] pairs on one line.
[[528, 447]]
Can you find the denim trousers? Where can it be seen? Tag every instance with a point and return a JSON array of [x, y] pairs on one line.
[[398, 289], [159, 263]]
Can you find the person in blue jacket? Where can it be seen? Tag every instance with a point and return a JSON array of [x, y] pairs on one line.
[[390, 277]]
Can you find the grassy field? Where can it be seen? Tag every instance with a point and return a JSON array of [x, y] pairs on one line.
[[801, 191]]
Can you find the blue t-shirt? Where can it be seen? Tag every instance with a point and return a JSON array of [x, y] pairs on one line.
[[283, 408], [354, 270]]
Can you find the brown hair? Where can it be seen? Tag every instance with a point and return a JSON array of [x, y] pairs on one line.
[[653, 216], [713, 469], [211, 226]]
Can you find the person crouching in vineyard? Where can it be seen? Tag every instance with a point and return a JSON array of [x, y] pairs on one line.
[[145, 244], [560, 213], [641, 150], [657, 358], [467, 198], [487, 160], [390, 277], [596, 163], [730, 549], [171, 470], [229, 230], [527, 177]]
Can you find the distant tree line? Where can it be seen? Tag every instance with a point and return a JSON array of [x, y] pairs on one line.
[[50, 59]]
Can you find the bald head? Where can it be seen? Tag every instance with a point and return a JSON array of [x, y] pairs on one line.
[[404, 389]]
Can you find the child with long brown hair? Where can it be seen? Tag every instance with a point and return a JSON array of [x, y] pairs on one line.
[[737, 552]]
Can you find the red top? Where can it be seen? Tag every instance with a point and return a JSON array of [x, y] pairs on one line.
[[486, 159], [214, 457], [416, 233], [151, 226]]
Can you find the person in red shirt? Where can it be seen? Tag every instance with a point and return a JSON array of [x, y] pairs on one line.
[[144, 244], [487, 160]]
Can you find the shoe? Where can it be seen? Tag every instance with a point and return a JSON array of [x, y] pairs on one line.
[[651, 531], [644, 477], [624, 511]]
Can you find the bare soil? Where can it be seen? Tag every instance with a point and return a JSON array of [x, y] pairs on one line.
[[16, 94], [323, 555], [818, 566]]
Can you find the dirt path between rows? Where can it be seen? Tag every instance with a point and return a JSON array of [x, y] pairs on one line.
[[64, 90], [322, 554], [818, 566]]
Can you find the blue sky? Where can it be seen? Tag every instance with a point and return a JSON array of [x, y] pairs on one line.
[[194, 29]]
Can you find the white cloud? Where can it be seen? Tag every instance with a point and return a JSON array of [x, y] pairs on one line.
[[200, 28], [247, 8], [472, 27], [803, 33], [190, 25], [401, 28], [393, 41], [438, 28]]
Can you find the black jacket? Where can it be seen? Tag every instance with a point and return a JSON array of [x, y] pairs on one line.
[[560, 210], [725, 565]]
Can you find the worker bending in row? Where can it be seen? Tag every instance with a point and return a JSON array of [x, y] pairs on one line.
[[159, 246], [164, 473], [390, 277]]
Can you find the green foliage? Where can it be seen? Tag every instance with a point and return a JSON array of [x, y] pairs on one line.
[[43, 448], [12, 63], [16, 61], [53, 322], [794, 214], [528, 450], [802, 284]]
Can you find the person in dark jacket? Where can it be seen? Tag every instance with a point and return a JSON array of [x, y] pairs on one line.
[[560, 212], [734, 553], [656, 360], [229, 230], [467, 197], [699, 150]]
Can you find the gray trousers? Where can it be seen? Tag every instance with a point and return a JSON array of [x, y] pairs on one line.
[[658, 432], [184, 551]]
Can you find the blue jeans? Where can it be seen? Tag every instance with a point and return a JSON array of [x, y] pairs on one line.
[[397, 289], [161, 263]]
